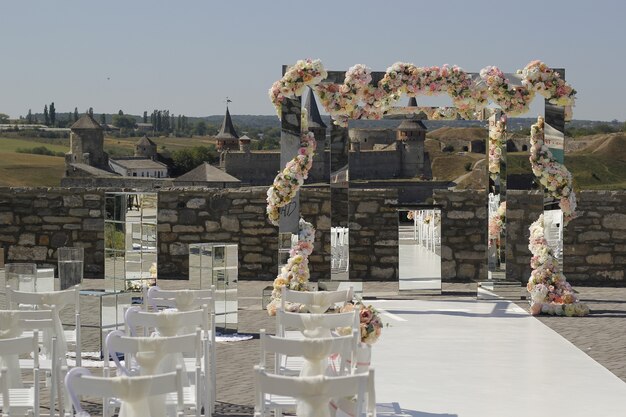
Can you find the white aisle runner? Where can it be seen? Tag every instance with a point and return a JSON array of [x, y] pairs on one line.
[[484, 358]]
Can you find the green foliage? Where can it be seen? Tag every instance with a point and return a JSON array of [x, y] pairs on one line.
[[468, 166], [4, 118], [124, 121], [113, 239], [53, 114], [200, 128], [187, 159], [448, 148], [39, 150]]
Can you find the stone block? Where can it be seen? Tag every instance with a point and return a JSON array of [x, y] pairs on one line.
[[255, 258], [61, 219], [448, 269], [179, 249], [367, 207], [6, 217], [93, 224], [196, 203], [187, 216], [164, 227], [466, 271], [27, 253], [73, 200], [211, 226], [168, 216], [95, 213], [593, 236], [179, 228], [600, 259], [614, 221], [59, 239], [383, 274], [30, 220], [79, 212], [230, 223], [26, 239]]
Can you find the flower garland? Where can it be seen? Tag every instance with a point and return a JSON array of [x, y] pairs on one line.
[[549, 290], [295, 274], [497, 222], [289, 180], [356, 98], [371, 323], [551, 174], [497, 140]]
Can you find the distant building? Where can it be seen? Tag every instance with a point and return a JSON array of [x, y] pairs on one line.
[[143, 127], [86, 147], [227, 138], [146, 148], [206, 175], [138, 167]]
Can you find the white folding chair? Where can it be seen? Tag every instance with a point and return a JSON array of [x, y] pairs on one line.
[[149, 356], [316, 301], [175, 323], [134, 393], [27, 323], [182, 300], [313, 325], [310, 350], [311, 393], [58, 299], [20, 401]]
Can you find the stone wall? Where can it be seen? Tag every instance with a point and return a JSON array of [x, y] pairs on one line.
[[235, 216], [373, 235], [523, 208], [35, 222], [464, 234], [595, 242]]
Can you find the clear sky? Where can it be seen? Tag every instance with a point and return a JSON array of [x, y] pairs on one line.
[[187, 56]]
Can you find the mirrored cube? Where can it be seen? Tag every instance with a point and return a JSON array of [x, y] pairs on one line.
[[217, 264]]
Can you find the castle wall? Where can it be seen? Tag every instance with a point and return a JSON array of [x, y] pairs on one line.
[[370, 137], [375, 165]]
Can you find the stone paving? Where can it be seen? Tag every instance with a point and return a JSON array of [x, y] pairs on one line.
[[602, 335]]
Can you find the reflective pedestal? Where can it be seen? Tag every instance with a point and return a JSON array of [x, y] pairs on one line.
[[110, 307], [217, 264]]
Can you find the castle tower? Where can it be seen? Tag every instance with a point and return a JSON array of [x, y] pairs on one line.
[[87, 144], [410, 138], [146, 148], [227, 138], [244, 144], [314, 119]]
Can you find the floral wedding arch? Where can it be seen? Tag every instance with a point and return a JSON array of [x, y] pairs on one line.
[[358, 98]]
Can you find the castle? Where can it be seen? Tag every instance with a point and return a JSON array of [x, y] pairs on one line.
[[375, 154]]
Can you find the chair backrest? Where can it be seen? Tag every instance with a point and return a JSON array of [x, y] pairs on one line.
[[28, 319], [182, 299], [41, 300], [117, 342], [20, 345], [344, 346], [320, 388], [79, 382], [307, 321], [169, 323], [322, 299]]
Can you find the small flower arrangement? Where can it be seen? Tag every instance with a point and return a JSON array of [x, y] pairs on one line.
[[371, 324], [138, 284], [549, 290]]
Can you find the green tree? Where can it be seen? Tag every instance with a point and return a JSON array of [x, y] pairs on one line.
[[53, 114], [200, 128], [103, 119], [46, 117], [75, 114], [90, 111], [145, 117], [29, 117], [120, 113], [4, 118], [124, 121]]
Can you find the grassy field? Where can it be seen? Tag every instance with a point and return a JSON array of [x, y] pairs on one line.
[[21, 169], [12, 144], [126, 146]]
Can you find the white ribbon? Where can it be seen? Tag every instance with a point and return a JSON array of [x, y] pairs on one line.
[[133, 396], [314, 326], [50, 300], [185, 300], [320, 302], [315, 402], [10, 328], [315, 353]]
